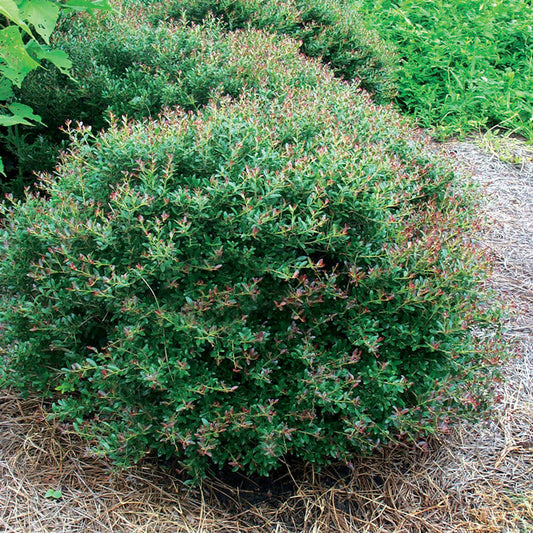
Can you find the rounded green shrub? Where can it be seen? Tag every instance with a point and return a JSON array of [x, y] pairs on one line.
[[276, 276], [332, 30], [129, 67]]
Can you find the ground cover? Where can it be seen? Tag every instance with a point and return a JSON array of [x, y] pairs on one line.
[[464, 65]]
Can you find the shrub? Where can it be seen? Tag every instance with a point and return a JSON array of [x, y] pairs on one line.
[[273, 277], [131, 68], [466, 64], [332, 30]]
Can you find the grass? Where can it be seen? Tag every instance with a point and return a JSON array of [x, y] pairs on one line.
[[466, 65], [505, 147]]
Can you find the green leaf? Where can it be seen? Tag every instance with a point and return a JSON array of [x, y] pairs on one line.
[[11, 120], [2, 167], [42, 15], [22, 114], [6, 89], [55, 494], [24, 110], [16, 58], [59, 58], [65, 387], [10, 10]]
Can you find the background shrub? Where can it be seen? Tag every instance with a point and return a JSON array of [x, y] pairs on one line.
[[276, 276], [465, 65], [129, 67], [332, 30]]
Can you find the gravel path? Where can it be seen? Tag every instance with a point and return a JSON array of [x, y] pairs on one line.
[[490, 466]]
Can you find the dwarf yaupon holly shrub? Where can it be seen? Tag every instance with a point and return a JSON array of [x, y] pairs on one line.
[[271, 278], [332, 30], [129, 67]]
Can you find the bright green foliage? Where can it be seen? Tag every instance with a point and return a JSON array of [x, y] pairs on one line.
[[332, 30], [135, 69], [288, 273], [55, 494], [17, 63], [466, 64]]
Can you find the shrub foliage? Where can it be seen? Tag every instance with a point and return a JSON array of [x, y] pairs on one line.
[[280, 275], [332, 30], [131, 67], [135, 69]]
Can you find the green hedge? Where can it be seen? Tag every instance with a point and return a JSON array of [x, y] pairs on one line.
[[332, 30], [132, 68], [129, 66], [125, 65], [279, 275]]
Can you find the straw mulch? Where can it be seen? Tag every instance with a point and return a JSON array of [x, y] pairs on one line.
[[480, 478]]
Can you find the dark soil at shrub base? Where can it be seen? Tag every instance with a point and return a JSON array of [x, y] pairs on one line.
[[251, 491]]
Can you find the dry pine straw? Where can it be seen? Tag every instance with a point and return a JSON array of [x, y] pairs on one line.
[[478, 479]]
